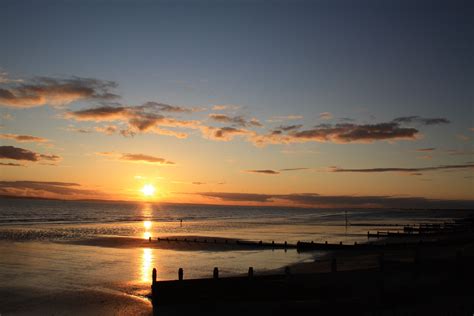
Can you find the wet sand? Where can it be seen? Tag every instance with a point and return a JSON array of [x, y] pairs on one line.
[[84, 302]]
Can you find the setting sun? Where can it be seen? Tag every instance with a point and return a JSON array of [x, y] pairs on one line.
[[148, 190]]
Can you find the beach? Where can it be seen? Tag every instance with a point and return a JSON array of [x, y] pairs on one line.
[[57, 265]]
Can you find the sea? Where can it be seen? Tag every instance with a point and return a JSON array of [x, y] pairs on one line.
[[40, 252]]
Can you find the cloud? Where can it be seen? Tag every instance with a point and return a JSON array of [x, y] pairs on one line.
[[263, 171], [325, 116], [24, 138], [223, 133], [163, 107], [46, 90], [223, 107], [4, 78], [346, 133], [426, 149], [293, 169], [15, 153], [109, 129], [140, 158], [396, 169], [421, 120], [290, 127], [316, 200], [237, 120], [284, 118], [146, 159], [147, 118], [45, 189], [10, 164], [270, 171]]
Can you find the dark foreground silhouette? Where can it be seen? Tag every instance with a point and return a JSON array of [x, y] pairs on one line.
[[427, 278]]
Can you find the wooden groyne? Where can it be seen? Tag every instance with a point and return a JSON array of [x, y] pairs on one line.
[[385, 285], [230, 243]]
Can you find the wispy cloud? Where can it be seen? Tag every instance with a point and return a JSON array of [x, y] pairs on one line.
[[16, 153], [139, 158], [145, 118], [273, 172], [421, 120], [46, 189], [223, 107], [45, 90], [24, 138], [325, 116], [316, 200], [262, 171], [410, 170], [284, 118], [236, 120], [426, 149]]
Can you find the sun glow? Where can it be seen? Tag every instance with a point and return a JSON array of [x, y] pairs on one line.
[[147, 224], [148, 190]]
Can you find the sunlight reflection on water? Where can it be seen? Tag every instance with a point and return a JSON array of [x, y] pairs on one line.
[[146, 267]]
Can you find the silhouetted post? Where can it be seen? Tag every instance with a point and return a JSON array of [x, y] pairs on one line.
[[215, 241], [153, 276], [368, 235], [382, 262], [287, 271], [326, 242], [260, 243], [459, 263], [340, 243], [149, 239], [215, 274], [333, 265], [273, 244], [250, 272], [286, 244], [180, 274], [355, 243]]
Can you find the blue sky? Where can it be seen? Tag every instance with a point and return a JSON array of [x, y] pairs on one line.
[[364, 62]]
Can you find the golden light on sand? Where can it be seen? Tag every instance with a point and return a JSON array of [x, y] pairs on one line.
[[147, 224], [148, 190]]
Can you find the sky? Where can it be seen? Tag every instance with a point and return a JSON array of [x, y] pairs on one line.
[[301, 103]]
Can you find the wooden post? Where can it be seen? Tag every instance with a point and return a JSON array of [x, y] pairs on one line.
[[153, 276], [326, 242], [333, 265], [368, 235], [260, 243], [382, 262], [215, 274], [149, 239], [180, 274], [355, 243], [250, 272], [340, 243]]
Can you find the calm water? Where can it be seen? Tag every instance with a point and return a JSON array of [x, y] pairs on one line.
[[36, 256]]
